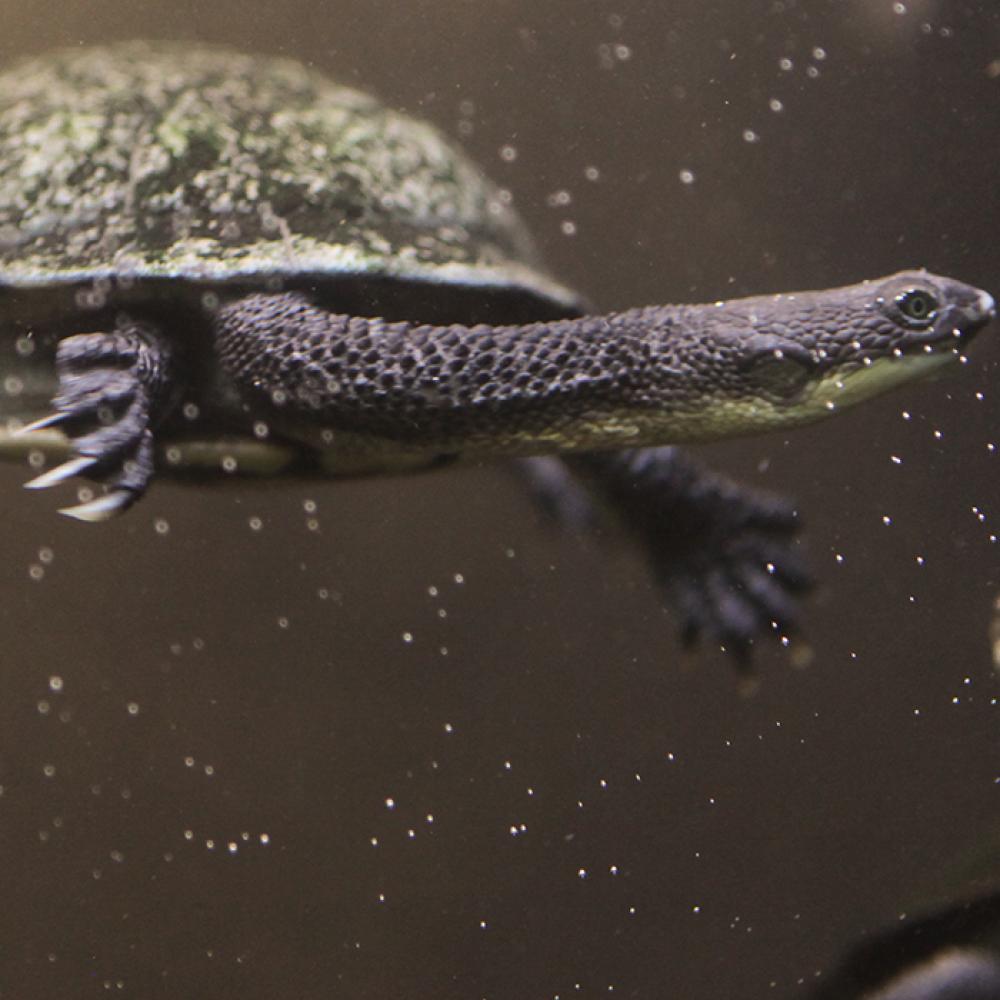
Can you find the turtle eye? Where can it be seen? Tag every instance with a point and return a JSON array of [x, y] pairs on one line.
[[917, 306]]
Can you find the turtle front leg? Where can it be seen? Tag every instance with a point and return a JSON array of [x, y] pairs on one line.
[[113, 390], [722, 553]]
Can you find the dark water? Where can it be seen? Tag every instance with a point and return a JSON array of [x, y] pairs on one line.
[[203, 725]]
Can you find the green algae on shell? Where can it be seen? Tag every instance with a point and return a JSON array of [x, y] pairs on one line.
[[162, 160]]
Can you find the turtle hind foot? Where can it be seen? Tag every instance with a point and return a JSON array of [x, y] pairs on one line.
[[112, 388]]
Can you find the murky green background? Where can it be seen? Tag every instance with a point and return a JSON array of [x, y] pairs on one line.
[[403, 741]]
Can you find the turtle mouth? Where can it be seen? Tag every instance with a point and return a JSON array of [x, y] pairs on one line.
[[921, 350]]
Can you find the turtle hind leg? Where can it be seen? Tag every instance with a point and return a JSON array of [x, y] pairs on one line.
[[113, 390]]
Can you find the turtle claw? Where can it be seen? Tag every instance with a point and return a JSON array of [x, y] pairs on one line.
[[102, 508], [73, 467], [112, 388], [38, 425]]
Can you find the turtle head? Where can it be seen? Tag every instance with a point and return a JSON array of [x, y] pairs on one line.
[[794, 358]]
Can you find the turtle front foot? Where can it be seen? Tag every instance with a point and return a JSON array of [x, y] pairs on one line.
[[722, 553], [112, 388]]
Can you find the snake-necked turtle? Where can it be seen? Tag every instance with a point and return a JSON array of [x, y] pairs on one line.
[[194, 245]]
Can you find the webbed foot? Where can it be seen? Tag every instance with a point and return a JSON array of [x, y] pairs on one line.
[[722, 553], [112, 390]]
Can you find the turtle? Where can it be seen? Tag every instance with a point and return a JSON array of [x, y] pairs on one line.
[[214, 263], [949, 952]]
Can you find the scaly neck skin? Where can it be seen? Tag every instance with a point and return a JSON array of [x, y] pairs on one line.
[[655, 375]]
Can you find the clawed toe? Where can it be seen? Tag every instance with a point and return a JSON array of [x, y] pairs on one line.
[[717, 607], [110, 389], [74, 467], [738, 599], [101, 508], [39, 425]]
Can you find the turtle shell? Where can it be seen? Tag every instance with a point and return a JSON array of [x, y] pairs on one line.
[[148, 163]]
